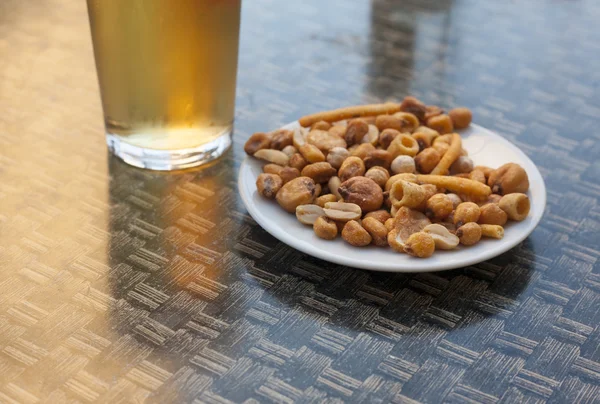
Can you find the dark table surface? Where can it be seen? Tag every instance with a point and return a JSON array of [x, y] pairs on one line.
[[123, 285]]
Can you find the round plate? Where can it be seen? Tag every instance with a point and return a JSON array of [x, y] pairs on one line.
[[484, 147]]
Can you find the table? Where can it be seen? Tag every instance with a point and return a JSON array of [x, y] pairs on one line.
[[123, 285]]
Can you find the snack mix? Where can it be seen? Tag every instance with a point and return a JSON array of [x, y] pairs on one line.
[[391, 175]]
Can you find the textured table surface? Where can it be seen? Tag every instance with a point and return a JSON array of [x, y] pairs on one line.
[[122, 285]]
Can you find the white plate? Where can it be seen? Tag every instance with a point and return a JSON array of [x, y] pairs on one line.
[[484, 147]]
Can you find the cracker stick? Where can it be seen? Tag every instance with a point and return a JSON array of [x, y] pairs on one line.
[[449, 157], [356, 111], [458, 185]]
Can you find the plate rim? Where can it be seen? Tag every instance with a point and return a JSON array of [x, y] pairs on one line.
[[338, 259]]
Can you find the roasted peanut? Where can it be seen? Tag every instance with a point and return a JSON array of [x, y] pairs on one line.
[[351, 167], [382, 215], [461, 117], [420, 245], [268, 185], [378, 158], [441, 123], [449, 225], [273, 156], [378, 174], [363, 150], [372, 135], [515, 205], [318, 190], [286, 173], [325, 228], [336, 156], [354, 234], [323, 199], [389, 225], [334, 185], [469, 233], [455, 199], [427, 160], [376, 230], [289, 150], [439, 207], [356, 130], [492, 214], [321, 125], [281, 138], [444, 240], [387, 136], [462, 164], [424, 129], [299, 191], [486, 170], [308, 214], [384, 122], [298, 138], [311, 153], [297, 161], [319, 172], [402, 176], [403, 164], [403, 144], [404, 193], [342, 211], [431, 111], [414, 106], [509, 178], [477, 175], [324, 140], [256, 142], [492, 231], [362, 191], [466, 212], [338, 130]]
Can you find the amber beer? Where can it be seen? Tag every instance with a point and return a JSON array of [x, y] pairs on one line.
[[167, 74]]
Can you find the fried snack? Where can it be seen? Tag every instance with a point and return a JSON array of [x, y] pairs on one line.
[[349, 112], [449, 157], [463, 186]]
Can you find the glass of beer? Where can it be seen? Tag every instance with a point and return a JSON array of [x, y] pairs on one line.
[[167, 74]]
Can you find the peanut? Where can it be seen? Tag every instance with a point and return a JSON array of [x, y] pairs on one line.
[[299, 191], [351, 167], [256, 142], [342, 211], [354, 234], [273, 156], [376, 230], [308, 214], [325, 228], [268, 185], [319, 172]]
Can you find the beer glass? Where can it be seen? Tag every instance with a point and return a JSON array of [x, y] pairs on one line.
[[167, 75]]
